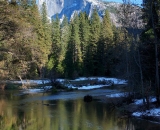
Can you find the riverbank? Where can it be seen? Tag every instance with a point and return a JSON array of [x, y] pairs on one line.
[[135, 109]]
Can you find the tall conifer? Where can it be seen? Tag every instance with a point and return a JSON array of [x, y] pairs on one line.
[[65, 33], [55, 57], [105, 45], [84, 32], [73, 59], [91, 59]]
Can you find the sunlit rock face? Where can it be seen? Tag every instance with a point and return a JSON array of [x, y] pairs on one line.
[[69, 7], [53, 6]]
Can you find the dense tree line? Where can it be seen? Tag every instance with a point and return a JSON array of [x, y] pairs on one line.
[[90, 46], [33, 47]]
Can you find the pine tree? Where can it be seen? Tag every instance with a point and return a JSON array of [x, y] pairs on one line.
[[44, 14], [65, 33], [95, 28], [25, 42], [55, 58], [106, 28], [84, 32], [17, 45], [105, 44], [45, 39], [46, 28], [73, 59], [91, 59], [41, 42]]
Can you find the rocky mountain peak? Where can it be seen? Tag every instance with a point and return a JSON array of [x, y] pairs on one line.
[[69, 7]]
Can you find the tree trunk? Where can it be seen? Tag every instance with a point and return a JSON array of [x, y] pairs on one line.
[[156, 56], [141, 75]]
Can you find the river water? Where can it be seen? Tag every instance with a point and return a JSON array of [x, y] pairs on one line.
[[63, 111]]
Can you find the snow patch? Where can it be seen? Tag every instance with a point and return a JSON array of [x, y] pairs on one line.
[[36, 90], [116, 95], [90, 87], [151, 112], [115, 80], [108, 81], [33, 81], [31, 91], [140, 101], [66, 82]]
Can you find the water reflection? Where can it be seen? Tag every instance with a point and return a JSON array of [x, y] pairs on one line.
[[18, 113]]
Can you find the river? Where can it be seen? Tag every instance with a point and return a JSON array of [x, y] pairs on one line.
[[63, 111]]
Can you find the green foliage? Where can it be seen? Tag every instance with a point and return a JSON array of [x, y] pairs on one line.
[[44, 14], [65, 33], [55, 59], [95, 28], [104, 46], [149, 37], [50, 63], [106, 28], [90, 59], [23, 41], [73, 58], [84, 31], [30, 44], [84, 34]]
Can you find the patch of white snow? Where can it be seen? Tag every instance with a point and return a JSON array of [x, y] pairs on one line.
[[116, 95], [91, 87], [31, 91], [151, 112]]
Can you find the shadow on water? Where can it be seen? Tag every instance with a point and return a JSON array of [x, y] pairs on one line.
[[63, 111]]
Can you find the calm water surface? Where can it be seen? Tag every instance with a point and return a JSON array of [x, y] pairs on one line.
[[63, 111]]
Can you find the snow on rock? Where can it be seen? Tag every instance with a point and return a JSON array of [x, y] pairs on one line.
[[35, 90], [115, 80], [90, 87], [31, 91], [67, 83], [47, 87], [33, 81], [151, 112], [116, 95], [140, 101], [107, 81]]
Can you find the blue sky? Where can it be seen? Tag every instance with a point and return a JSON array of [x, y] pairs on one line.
[[133, 1]]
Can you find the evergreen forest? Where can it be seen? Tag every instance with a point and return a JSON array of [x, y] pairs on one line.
[[33, 47]]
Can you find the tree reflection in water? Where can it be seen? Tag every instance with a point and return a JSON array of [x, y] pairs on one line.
[[16, 113]]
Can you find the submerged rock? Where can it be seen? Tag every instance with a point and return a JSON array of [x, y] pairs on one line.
[[88, 98]]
